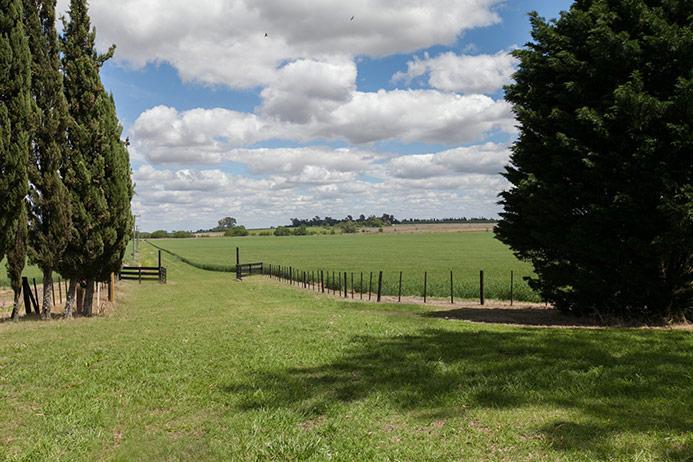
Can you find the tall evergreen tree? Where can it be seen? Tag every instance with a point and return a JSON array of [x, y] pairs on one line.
[[602, 173], [97, 172], [49, 212], [15, 114]]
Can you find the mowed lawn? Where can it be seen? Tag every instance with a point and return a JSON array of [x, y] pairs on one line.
[[206, 368], [464, 253]]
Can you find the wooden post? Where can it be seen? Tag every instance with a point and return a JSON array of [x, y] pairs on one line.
[[60, 291], [36, 293], [322, 281], [238, 263], [481, 288], [140, 273], [452, 290], [512, 281], [334, 284], [361, 287], [380, 285], [399, 292], [291, 276], [370, 286], [27, 298], [352, 285], [346, 286], [159, 258], [111, 288], [425, 285], [53, 293]]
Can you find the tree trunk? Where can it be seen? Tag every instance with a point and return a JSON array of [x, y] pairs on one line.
[[88, 307], [15, 306], [70, 299], [47, 305]]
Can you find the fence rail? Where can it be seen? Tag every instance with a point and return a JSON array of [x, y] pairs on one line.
[[248, 269], [143, 273]]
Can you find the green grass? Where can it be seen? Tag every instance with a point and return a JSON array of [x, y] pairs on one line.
[[30, 271], [207, 368], [464, 253]]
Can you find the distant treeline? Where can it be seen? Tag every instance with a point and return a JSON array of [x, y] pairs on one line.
[[384, 220]]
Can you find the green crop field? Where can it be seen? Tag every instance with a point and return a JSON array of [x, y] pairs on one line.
[[206, 368], [464, 253]]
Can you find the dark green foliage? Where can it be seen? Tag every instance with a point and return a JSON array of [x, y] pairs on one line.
[[15, 116], [159, 234], [97, 172], [602, 195], [227, 223], [349, 227], [282, 231], [49, 213], [236, 231]]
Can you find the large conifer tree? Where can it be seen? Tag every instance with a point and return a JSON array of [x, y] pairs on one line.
[[15, 114], [97, 172], [49, 213], [602, 174]]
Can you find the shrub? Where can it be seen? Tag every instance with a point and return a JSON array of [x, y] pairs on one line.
[[282, 231], [349, 227], [236, 231]]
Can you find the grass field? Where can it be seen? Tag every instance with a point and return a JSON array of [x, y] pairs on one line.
[[207, 368], [464, 253]]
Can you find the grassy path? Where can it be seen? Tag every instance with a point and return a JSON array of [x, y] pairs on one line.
[[206, 368]]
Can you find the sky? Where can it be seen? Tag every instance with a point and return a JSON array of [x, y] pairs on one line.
[[266, 110]]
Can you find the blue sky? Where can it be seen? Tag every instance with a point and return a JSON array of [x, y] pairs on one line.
[[399, 110]]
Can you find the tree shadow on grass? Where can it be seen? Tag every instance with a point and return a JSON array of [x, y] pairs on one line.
[[618, 381]]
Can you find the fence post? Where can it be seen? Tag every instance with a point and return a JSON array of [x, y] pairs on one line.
[[53, 293], [380, 285], [27, 296], [512, 281], [322, 281], [36, 293], [291, 275], [361, 287], [425, 285], [140, 274], [481, 287], [399, 292], [60, 291], [452, 290], [352, 285], [346, 286], [159, 258], [370, 286]]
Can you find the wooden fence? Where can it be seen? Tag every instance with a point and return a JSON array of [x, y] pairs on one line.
[[143, 273]]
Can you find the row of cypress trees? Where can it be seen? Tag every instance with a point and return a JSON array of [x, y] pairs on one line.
[[65, 184]]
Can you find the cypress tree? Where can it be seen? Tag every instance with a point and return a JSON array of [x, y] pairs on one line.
[[49, 212], [15, 114], [97, 172], [602, 175]]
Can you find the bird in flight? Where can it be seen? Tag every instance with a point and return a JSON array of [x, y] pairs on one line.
[[266, 34], [352, 18]]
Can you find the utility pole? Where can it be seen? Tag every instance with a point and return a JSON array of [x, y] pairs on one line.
[[134, 235]]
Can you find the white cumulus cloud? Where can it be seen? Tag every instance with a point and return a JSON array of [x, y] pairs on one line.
[[462, 73]]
